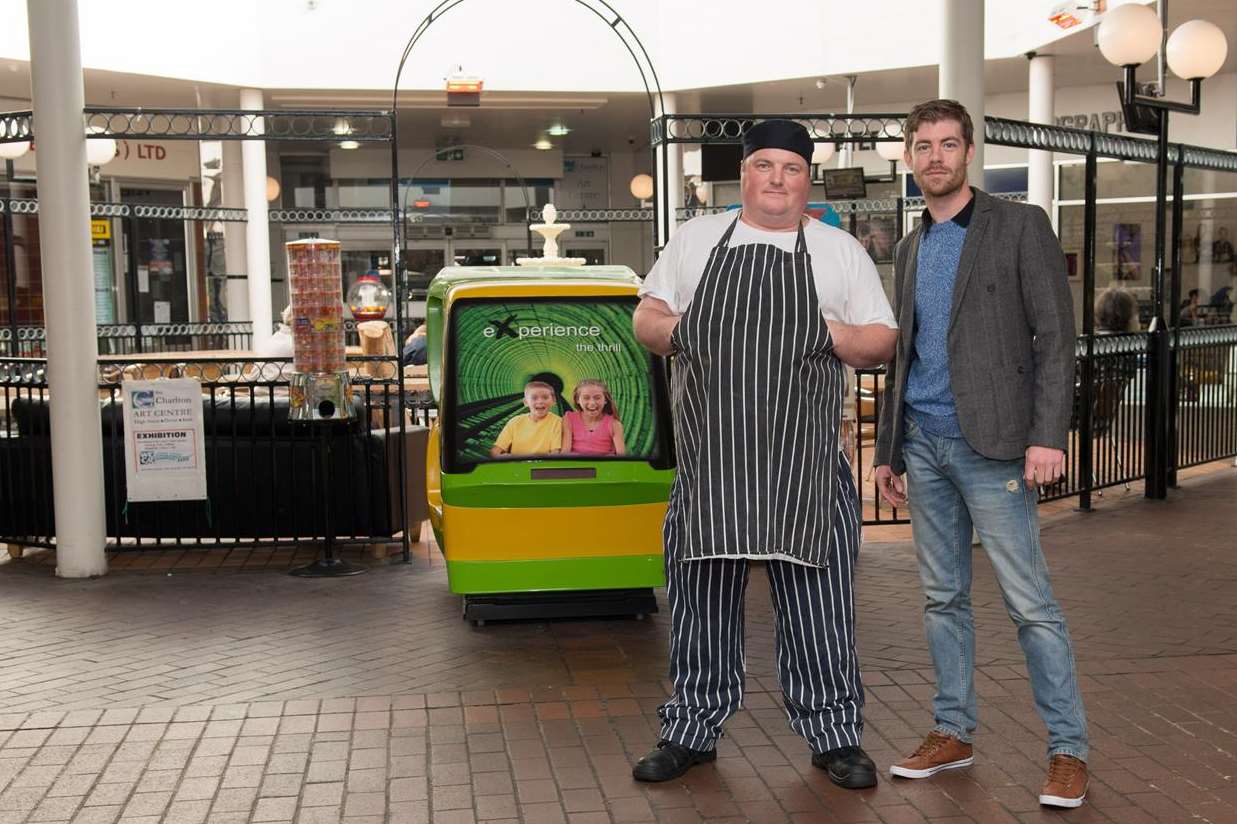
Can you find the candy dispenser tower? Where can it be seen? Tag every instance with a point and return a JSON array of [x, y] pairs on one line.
[[319, 384]]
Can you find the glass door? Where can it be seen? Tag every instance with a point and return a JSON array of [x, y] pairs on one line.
[[157, 283], [594, 253], [477, 253]]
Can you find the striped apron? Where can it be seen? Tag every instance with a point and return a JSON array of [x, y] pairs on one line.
[[757, 400]]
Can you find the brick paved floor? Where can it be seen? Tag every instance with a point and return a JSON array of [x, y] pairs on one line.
[[195, 697]]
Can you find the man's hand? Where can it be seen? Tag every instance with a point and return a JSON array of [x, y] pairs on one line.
[[1044, 466], [654, 322], [891, 487]]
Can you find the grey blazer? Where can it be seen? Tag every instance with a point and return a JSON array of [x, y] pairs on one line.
[[1011, 336]]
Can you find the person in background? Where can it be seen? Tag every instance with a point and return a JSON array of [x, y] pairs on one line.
[[1190, 309], [279, 344], [415, 352], [1116, 311]]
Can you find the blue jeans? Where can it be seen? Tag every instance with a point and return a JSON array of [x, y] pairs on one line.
[[952, 488]]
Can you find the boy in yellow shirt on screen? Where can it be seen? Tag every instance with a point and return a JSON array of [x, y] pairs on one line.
[[539, 432]]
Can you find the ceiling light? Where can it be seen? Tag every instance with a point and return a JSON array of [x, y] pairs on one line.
[[99, 150], [641, 187], [1196, 50], [543, 144], [12, 151], [889, 151], [821, 152], [342, 126], [558, 130], [463, 90], [349, 144], [1129, 35]]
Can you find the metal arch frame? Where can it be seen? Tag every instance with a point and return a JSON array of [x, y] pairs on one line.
[[607, 14]]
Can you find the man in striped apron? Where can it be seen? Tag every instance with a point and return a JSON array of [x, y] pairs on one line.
[[761, 309]]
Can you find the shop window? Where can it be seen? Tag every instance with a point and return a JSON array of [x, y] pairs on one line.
[[305, 181]]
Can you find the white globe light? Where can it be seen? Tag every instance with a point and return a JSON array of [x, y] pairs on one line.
[[1129, 35], [99, 150], [272, 189], [821, 152], [890, 151], [12, 151], [642, 187], [1196, 50]]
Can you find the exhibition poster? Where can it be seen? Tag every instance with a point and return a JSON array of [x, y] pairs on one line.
[[165, 459]]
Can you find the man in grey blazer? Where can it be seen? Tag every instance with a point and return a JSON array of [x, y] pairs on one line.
[[978, 401]]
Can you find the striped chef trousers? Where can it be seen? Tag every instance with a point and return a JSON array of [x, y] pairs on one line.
[[814, 608]]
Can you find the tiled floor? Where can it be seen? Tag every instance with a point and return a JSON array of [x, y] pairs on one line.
[[195, 697]]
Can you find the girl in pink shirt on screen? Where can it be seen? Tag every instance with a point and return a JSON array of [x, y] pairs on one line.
[[593, 428]]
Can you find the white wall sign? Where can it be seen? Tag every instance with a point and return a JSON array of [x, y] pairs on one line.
[[584, 184], [165, 458]]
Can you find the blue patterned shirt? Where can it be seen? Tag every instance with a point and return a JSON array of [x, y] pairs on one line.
[[929, 395]]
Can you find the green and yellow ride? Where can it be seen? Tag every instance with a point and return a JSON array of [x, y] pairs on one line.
[[528, 531]]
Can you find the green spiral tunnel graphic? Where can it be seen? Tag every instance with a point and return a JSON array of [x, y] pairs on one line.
[[501, 346]]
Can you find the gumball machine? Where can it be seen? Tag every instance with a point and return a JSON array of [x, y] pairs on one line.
[[319, 393], [319, 384], [369, 298]]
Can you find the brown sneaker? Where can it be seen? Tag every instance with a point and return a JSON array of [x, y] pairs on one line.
[[1066, 785], [937, 752]]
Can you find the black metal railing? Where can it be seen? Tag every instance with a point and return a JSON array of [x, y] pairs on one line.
[[1206, 408], [128, 338], [264, 485], [156, 338], [1108, 426]]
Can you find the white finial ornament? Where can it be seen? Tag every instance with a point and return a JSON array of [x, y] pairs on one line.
[[549, 230]]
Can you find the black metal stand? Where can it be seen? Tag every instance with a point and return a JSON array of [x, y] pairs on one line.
[[327, 565]]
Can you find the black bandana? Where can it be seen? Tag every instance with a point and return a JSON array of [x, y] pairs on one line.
[[778, 134]]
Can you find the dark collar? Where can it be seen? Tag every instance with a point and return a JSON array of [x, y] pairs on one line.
[[963, 218]]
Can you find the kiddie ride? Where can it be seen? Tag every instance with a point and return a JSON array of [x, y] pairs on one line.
[[549, 468]]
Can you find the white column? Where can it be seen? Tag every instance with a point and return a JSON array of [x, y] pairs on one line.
[[257, 229], [68, 289], [1040, 101], [234, 233], [673, 180], [961, 75]]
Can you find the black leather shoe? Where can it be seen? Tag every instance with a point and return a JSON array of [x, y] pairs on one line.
[[848, 767], [670, 760]]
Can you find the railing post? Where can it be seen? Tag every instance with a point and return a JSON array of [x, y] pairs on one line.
[[1155, 449], [1174, 313], [1086, 394], [10, 259], [135, 305]]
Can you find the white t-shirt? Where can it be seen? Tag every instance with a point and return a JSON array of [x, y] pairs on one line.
[[846, 280]]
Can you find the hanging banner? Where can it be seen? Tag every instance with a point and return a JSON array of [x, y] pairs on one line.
[[165, 459]]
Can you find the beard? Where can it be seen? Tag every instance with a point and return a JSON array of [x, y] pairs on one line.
[[942, 185]]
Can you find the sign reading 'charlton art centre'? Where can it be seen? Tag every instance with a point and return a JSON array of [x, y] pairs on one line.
[[164, 455]]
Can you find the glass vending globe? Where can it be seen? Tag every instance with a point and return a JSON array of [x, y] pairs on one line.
[[369, 297]]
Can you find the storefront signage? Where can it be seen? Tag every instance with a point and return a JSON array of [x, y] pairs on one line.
[[100, 230], [1093, 121], [165, 458]]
